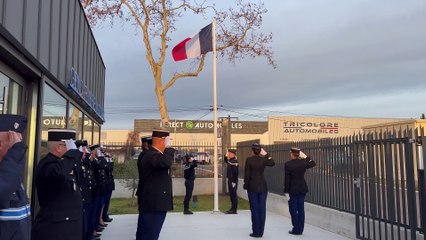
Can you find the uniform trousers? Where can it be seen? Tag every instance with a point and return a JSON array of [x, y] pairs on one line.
[[107, 199], [149, 225], [88, 220], [233, 194], [189, 185], [296, 206], [257, 202]]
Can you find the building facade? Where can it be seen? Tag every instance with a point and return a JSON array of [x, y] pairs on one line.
[[51, 71]]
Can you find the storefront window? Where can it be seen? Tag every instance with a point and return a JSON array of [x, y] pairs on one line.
[[54, 114], [88, 130], [10, 96], [96, 133], [75, 121]]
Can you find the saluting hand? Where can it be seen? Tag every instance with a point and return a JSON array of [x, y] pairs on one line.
[[14, 137]]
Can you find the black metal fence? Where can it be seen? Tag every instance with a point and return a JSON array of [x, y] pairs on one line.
[[379, 177]]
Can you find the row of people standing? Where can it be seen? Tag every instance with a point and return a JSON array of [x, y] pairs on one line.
[[73, 185]]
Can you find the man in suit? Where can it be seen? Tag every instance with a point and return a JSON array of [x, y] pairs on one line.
[[15, 221], [155, 186], [295, 185], [58, 190]]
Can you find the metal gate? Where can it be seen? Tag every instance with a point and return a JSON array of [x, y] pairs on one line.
[[387, 177]]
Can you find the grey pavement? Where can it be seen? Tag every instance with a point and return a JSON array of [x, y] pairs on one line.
[[217, 226]]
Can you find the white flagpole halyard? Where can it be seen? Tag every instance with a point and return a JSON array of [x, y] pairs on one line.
[[216, 176]]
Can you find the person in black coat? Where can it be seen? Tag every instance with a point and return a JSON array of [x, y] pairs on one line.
[[58, 191], [15, 220], [257, 189], [232, 175], [155, 186], [295, 185], [110, 186], [189, 175]]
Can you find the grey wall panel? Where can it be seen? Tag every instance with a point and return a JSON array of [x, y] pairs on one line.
[[71, 32], [14, 17], [63, 40], [44, 43], [31, 26], [2, 2], [54, 41], [80, 44]]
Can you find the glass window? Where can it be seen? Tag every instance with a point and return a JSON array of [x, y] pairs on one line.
[[10, 96], [75, 121], [54, 114], [96, 130], [88, 130]]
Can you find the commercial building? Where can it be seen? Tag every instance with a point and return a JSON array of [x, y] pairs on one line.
[[51, 71]]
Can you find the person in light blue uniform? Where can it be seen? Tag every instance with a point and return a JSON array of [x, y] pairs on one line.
[[15, 222]]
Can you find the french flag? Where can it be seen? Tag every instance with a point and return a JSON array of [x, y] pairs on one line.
[[194, 46]]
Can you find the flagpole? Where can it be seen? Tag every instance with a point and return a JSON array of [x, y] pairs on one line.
[[216, 176]]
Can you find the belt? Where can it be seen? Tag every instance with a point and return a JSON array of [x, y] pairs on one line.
[[14, 214]]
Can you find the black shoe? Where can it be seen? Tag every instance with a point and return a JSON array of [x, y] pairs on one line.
[[103, 225], [187, 212], [231, 211], [294, 233], [100, 229], [255, 236], [108, 220]]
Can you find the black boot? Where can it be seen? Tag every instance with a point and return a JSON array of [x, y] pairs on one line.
[[187, 212], [231, 211]]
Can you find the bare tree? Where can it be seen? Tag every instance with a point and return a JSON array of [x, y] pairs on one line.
[[237, 32]]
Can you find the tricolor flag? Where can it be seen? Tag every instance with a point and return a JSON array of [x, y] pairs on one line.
[[194, 46]]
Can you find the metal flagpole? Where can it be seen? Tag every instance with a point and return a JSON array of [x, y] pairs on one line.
[[216, 176]]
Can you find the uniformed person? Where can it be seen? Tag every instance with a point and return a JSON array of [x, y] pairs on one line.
[[257, 189], [58, 190], [155, 186], [100, 165], [94, 220], [189, 175], [232, 175], [146, 143], [295, 185], [15, 219], [110, 186]]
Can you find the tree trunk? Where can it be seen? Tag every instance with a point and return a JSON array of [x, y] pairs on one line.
[[161, 98]]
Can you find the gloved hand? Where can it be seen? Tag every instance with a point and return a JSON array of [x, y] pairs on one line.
[[81, 149], [227, 155], [87, 150], [167, 142], [302, 155], [287, 196], [263, 152], [233, 185], [99, 153], [14, 137], [70, 144]]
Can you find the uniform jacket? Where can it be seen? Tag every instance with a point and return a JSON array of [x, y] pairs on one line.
[[110, 186], [60, 215], [140, 157], [86, 180], [231, 169], [295, 169], [15, 214], [189, 170], [155, 182], [254, 178]]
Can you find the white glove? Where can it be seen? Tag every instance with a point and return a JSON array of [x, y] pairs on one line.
[[99, 153], [233, 185], [263, 152], [87, 150], [69, 144], [302, 155], [167, 142], [287, 197], [81, 149], [227, 155]]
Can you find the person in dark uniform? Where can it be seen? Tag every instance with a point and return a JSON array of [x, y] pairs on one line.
[[189, 175], [110, 186], [96, 189], [257, 189], [15, 221], [101, 181], [56, 181], [146, 143], [295, 185], [155, 186], [232, 175]]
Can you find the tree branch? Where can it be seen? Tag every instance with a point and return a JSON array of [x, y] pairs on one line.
[[176, 76]]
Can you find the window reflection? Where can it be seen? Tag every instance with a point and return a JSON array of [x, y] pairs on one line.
[[96, 133], [75, 121], [88, 129], [54, 114]]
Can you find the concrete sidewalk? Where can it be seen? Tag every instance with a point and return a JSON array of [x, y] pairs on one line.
[[209, 226]]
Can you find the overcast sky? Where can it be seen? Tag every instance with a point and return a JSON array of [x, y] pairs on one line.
[[358, 58]]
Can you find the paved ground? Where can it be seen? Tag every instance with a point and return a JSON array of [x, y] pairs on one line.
[[217, 226]]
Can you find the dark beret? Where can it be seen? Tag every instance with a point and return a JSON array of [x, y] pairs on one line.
[[234, 151], [295, 150], [160, 133], [93, 147], [11, 122], [256, 146], [59, 134]]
